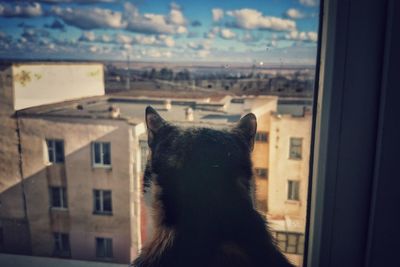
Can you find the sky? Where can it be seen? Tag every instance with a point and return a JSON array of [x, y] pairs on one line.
[[262, 31]]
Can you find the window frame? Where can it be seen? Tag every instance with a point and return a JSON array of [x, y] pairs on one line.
[[355, 71], [258, 138], [289, 193], [63, 197], [297, 146], [54, 151], [58, 237], [104, 240], [101, 199], [259, 170], [101, 164]]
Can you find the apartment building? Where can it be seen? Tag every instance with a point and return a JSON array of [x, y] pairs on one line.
[[289, 156]]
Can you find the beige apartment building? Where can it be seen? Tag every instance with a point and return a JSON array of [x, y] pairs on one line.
[[289, 156], [74, 189]]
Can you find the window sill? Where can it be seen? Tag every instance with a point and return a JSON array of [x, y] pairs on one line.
[[58, 209], [97, 166], [292, 202], [102, 213], [53, 163]]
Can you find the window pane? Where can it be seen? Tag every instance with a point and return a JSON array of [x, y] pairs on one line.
[[96, 200], [50, 149], [97, 153], [59, 145], [55, 197], [107, 206], [106, 153], [65, 242], [109, 249], [64, 198], [100, 247]]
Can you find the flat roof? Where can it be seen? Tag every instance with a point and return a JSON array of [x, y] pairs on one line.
[[225, 110]]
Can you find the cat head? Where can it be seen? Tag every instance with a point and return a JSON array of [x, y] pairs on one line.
[[197, 167]]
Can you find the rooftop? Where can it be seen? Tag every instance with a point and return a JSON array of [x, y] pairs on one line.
[[223, 110]]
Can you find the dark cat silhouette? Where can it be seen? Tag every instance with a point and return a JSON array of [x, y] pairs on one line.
[[204, 214]]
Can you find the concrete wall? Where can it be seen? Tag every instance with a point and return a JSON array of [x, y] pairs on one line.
[[282, 168], [80, 178], [12, 217], [44, 83], [260, 155]]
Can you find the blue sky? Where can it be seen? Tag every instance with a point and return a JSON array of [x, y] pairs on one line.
[[271, 31]]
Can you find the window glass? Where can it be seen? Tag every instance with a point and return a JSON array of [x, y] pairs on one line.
[[295, 148], [97, 153], [106, 154], [81, 76]]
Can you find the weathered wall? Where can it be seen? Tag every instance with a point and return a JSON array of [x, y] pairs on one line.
[[282, 168], [80, 178], [12, 220], [45, 83]]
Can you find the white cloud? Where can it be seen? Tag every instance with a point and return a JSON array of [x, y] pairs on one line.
[[154, 23], [217, 14], [87, 19], [156, 53], [123, 38], [227, 34], [165, 40], [203, 45], [203, 53], [221, 32], [295, 14], [26, 10], [302, 36], [88, 36], [176, 17], [252, 19], [309, 2]]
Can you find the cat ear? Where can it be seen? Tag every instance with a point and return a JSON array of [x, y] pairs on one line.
[[247, 127], [154, 123]]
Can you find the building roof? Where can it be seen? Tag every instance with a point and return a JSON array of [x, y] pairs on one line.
[[220, 111]]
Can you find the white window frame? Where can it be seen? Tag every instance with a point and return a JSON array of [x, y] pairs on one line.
[[101, 211], [101, 164]]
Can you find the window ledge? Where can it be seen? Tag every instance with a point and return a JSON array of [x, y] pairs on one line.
[[292, 202], [98, 166], [102, 213], [58, 209]]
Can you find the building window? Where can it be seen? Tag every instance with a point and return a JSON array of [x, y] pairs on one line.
[[262, 137], [295, 148], [261, 172], [104, 247], [101, 154], [58, 197], [61, 244], [144, 152], [293, 190], [55, 149], [102, 203], [291, 243]]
